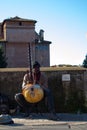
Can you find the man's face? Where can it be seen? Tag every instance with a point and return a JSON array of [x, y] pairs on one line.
[[36, 69]]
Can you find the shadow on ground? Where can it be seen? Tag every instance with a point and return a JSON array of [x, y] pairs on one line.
[[62, 117]]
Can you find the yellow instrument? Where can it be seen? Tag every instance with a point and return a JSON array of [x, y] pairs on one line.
[[33, 93]]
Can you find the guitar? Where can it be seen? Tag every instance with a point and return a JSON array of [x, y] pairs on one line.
[[33, 93]]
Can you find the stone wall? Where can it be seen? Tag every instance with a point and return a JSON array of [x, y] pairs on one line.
[[69, 86]]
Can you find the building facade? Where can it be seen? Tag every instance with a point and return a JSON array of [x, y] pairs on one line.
[[15, 35]]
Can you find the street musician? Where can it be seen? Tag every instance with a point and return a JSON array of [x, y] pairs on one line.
[[38, 78]]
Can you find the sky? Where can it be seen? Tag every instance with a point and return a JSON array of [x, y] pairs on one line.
[[64, 23]]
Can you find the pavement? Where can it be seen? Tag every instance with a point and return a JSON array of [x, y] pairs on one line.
[[41, 121]]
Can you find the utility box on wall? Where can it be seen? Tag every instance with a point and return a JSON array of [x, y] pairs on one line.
[[66, 77]]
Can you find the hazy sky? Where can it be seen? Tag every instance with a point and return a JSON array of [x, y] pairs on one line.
[[64, 23]]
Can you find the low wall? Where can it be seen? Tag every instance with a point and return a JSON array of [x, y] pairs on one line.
[[68, 86]]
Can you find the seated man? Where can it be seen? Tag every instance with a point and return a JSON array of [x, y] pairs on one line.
[[38, 78]]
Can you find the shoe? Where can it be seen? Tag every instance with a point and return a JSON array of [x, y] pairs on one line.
[[53, 116]]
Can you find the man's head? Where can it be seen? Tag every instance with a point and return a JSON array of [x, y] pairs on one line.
[[36, 66]]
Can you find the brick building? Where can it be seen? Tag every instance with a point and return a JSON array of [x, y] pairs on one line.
[[15, 34]]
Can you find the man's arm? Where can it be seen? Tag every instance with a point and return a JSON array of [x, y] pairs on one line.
[[24, 81]]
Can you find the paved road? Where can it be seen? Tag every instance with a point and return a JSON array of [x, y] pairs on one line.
[[57, 127], [44, 127]]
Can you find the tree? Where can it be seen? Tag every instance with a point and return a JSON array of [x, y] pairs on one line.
[[85, 62], [3, 63]]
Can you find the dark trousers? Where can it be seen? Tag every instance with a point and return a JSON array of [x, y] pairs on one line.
[[25, 105]]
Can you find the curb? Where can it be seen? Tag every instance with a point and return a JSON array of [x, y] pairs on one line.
[[39, 122]]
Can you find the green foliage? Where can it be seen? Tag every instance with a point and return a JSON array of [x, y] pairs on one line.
[[85, 62], [3, 63]]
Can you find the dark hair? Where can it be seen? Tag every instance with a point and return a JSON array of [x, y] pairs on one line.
[[36, 64]]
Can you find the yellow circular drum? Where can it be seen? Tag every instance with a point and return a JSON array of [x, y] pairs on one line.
[[33, 93]]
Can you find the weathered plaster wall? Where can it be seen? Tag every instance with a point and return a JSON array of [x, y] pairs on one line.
[[66, 93]]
